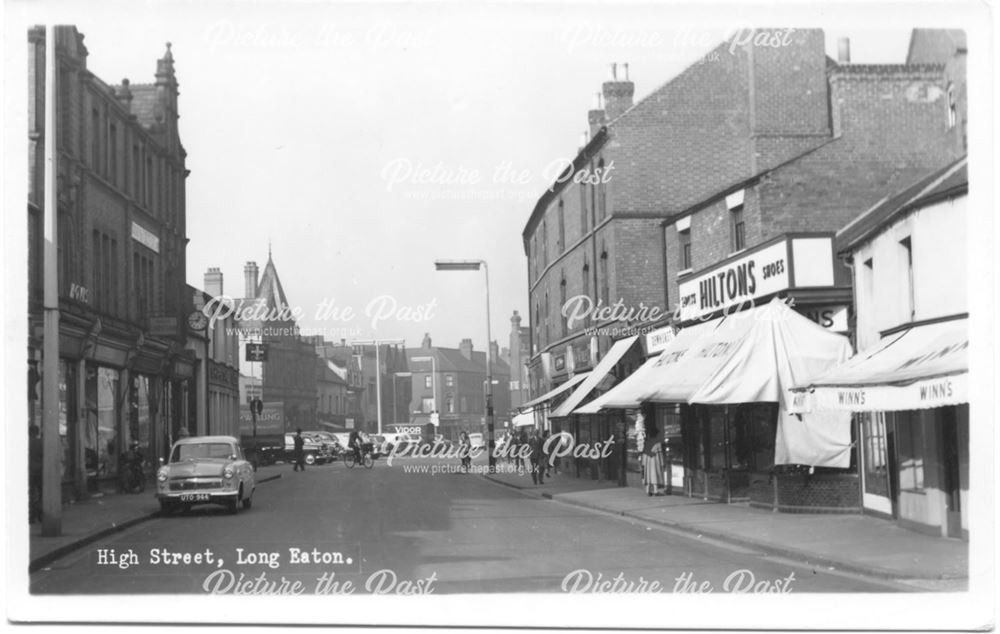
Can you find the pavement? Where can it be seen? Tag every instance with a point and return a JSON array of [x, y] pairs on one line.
[[87, 521], [847, 542]]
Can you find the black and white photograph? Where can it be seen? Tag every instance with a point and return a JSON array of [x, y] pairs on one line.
[[620, 315]]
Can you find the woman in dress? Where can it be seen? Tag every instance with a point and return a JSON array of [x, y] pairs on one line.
[[652, 453]]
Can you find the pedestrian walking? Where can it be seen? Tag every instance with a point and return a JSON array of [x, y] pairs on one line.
[[299, 453], [464, 451], [34, 474], [546, 457], [537, 458], [652, 453], [515, 445]]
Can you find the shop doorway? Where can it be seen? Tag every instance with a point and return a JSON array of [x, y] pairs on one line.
[[951, 484]]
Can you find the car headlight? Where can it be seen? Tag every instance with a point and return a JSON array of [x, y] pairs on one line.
[[161, 475], [228, 473]]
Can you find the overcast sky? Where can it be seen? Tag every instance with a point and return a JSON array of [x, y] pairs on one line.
[[306, 125]]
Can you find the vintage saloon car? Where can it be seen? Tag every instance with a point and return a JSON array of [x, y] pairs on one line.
[[205, 470]]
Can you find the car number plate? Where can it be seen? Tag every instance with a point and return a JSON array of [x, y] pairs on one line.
[[194, 497]]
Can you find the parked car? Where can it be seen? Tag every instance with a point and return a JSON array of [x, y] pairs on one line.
[[313, 451], [329, 445], [205, 470]]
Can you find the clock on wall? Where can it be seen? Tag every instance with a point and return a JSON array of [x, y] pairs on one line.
[[197, 320]]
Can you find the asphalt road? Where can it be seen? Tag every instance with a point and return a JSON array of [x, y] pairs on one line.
[[386, 530]]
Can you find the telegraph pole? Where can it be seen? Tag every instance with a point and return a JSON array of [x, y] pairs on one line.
[[378, 370]]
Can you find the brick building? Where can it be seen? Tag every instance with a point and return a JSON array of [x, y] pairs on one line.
[[452, 383], [720, 190], [124, 373]]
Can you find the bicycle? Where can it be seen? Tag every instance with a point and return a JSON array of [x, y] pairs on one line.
[[351, 459]]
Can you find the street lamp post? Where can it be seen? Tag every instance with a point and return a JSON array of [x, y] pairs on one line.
[[475, 265]]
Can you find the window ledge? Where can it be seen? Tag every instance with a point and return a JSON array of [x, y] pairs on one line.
[[686, 271]]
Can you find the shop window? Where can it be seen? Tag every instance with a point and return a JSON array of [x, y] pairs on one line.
[[910, 450]]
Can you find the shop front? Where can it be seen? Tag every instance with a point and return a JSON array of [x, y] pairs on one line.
[[725, 385], [910, 393], [589, 429]]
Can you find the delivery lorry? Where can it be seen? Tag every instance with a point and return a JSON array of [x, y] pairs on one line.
[[263, 436]]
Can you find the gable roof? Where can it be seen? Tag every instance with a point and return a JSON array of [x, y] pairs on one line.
[[946, 182]]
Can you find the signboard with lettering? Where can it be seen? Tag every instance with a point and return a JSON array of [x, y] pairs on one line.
[[924, 394], [832, 318], [145, 237], [737, 282], [657, 340]]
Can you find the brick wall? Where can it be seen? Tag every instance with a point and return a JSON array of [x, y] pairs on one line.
[[892, 132]]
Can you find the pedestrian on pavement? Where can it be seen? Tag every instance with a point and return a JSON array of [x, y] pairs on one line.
[[546, 458], [537, 457], [34, 475], [652, 453], [464, 451], [299, 453], [515, 446]]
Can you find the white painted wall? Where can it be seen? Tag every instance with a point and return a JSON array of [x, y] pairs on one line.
[[939, 241]]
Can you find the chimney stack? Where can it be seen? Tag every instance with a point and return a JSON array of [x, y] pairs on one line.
[[250, 273], [213, 282], [844, 50], [494, 351], [426, 343], [618, 92], [515, 320], [465, 347], [595, 117]]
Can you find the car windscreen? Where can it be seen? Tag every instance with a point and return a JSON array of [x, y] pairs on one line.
[[202, 450]]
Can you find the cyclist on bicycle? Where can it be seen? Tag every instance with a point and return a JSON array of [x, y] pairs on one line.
[[354, 441]]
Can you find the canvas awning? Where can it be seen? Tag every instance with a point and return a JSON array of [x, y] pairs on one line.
[[551, 394], [603, 368], [919, 368], [757, 355], [636, 387]]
